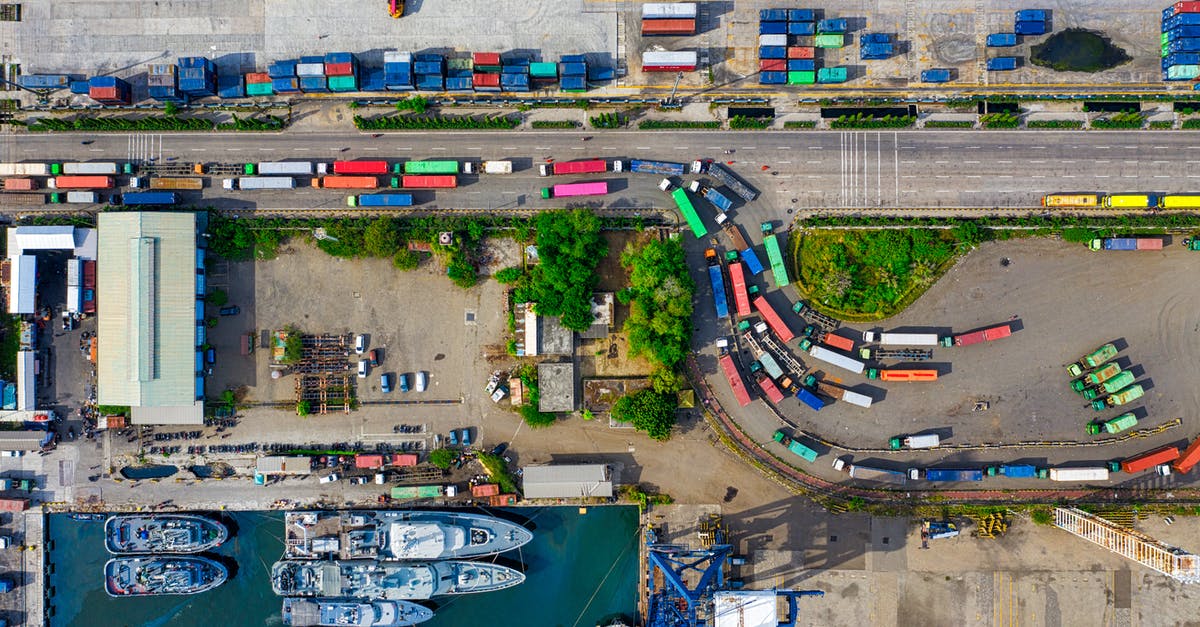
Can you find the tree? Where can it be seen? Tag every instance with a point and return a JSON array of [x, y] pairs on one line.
[[461, 272], [381, 239], [442, 458], [406, 259], [660, 297], [170, 109], [509, 275], [303, 408], [647, 411], [217, 297], [570, 247]]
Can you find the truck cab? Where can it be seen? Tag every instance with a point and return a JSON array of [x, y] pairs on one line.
[[665, 185], [229, 184], [544, 169]]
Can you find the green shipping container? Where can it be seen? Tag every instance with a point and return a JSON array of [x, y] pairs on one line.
[[259, 89], [1164, 39], [343, 83], [802, 78], [416, 492], [543, 70], [460, 65], [1182, 72], [1165, 52], [830, 41], [831, 75]]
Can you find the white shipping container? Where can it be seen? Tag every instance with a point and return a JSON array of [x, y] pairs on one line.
[[24, 169], [854, 398], [287, 168], [772, 40], [668, 58], [876, 474], [668, 10], [74, 298], [397, 56], [265, 182], [1078, 474], [310, 69], [908, 339], [930, 440], [83, 197], [89, 168], [839, 360], [497, 167], [74, 272]]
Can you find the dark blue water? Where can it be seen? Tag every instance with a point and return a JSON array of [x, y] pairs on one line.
[[581, 569]]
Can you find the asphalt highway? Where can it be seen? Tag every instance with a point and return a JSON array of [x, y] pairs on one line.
[[802, 170]]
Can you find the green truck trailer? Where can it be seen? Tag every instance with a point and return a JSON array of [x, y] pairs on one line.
[[807, 454], [1127, 395], [421, 491], [1094, 359], [1118, 382], [1125, 421], [1096, 377]]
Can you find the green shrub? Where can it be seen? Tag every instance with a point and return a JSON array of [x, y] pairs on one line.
[[949, 124], [416, 104], [1192, 123], [1125, 120], [800, 124], [1042, 516], [648, 125], [862, 120], [1000, 120], [442, 458], [742, 123], [1054, 124], [1162, 125], [1079, 234], [509, 275], [554, 124], [607, 120], [436, 122]]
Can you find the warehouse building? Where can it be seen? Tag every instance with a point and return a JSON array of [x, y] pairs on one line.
[[566, 481], [151, 317]]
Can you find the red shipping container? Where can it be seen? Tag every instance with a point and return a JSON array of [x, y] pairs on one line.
[[89, 275], [487, 80], [14, 505], [668, 27], [368, 461], [1145, 461], [838, 341], [339, 69], [487, 58], [346, 182], [772, 65], [800, 52], [668, 68], [258, 78], [19, 185], [404, 459], [1191, 455], [418, 181], [360, 167], [1187, 7], [108, 94], [485, 489], [502, 500], [83, 182]]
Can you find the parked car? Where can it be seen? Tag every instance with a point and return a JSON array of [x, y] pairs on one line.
[[466, 436], [453, 438], [500, 448], [373, 356], [385, 383], [231, 310], [5, 542], [362, 369], [422, 380], [404, 382], [11, 453], [330, 478], [210, 356], [360, 344], [358, 481]]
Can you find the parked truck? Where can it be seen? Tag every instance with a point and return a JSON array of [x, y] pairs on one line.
[[1125, 421], [812, 400], [81, 198], [768, 387], [901, 339], [731, 180], [744, 249], [830, 357], [905, 354], [81, 182], [929, 440], [663, 168], [717, 280], [346, 182], [953, 474], [796, 447], [259, 182], [591, 166], [380, 200], [89, 167], [1125, 396], [1094, 473], [176, 182], [20, 199], [837, 392], [134, 199], [1096, 377], [1188, 459], [718, 200], [1015, 471], [1111, 386], [1150, 459], [1127, 243], [1094, 359], [733, 376], [279, 168], [895, 374], [866, 473], [488, 167], [989, 334]]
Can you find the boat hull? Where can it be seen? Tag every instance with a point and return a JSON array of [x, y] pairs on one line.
[[159, 576], [353, 613], [393, 581], [162, 533]]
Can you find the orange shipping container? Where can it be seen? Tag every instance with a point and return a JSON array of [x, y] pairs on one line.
[[800, 52], [404, 459], [368, 461], [19, 185], [502, 500], [82, 182], [485, 489], [346, 182], [908, 375], [1190, 457], [258, 78], [772, 65], [669, 27], [838, 341]]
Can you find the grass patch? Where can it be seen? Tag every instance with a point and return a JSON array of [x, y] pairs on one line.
[[1120, 121], [1194, 123], [497, 470], [10, 344], [436, 122], [949, 124], [607, 120], [1000, 120], [800, 124], [650, 125], [1161, 125], [1054, 124], [743, 123], [554, 124], [862, 120]]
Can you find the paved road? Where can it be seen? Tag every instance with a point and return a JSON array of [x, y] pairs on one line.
[[803, 170]]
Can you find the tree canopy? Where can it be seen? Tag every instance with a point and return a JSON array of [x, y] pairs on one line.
[[381, 238], [660, 298], [569, 247], [647, 411]]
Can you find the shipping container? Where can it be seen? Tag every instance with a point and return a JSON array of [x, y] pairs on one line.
[[285, 85], [14, 505], [404, 459], [314, 84], [772, 52], [81, 182], [1127, 243], [83, 198], [801, 52], [486, 82], [1189, 458], [1001, 64], [735, 380], [801, 29], [800, 65], [770, 390], [684, 204], [1001, 40], [737, 280], [91, 167], [339, 69], [1031, 29], [716, 281], [795, 447], [839, 342], [281, 168], [380, 200], [672, 27], [567, 190], [668, 10], [260, 182], [417, 492], [836, 359], [431, 167], [813, 401], [949, 474], [775, 258], [772, 78], [655, 61], [486, 59], [722, 173], [231, 86], [772, 15], [343, 83], [24, 169], [664, 168], [901, 339], [936, 75], [780, 41], [1150, 459], [20, 185], [360, 167], [591, 166], [17, 199], [773, 320], [176, 182], [146, 198], [902, 374], [436, 181], [829, 41], [1079, 474], [832, 75], [975, 337], [772, 28], [573, 69], [881, 475], [346, 182], [310, 69]]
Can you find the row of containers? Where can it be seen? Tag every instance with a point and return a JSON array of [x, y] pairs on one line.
[[673, 19], [1027, 23], [1181, 42], [788, 40], [198, 77]]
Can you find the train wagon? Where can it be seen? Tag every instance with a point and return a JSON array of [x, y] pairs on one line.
[[1131, 201], [1180, 201], [1071, 200]]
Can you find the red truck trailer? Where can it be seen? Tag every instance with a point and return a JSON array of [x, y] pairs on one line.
[[768, 388], [81, 182], [735, 380], [838, 341], [346, 182], [1189, 458], [360, 167], [418, 181], [773, 320], [740, 298], [590, 166], [1149, 460], [983, 335]]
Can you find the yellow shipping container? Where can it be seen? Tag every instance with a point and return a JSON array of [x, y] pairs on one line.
[[1130, 201], [1180, 202]]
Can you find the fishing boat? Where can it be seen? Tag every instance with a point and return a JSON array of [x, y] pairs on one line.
[[399, 535], [162, 533], [152, 576], [337, 612], [388, 581]]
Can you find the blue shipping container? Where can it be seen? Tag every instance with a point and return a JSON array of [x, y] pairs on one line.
[[1188, 44], [874, 38], [313, 84], [1001, 40], [197, 62], [107, 81], [427, 57], [772, 15], [231, 86], [430, 82], [339, 57], [1190, 30], [601, 73], [772, 28], [1183, 19], [285, 85], [1167, 13], [44, 81], [752, 263], [574, 69], [772, 78], [149, 198], [1000, 64], [772, 52], [371, 80], [876, 51], [800, 15], [574, 83], [1030, 28], [1181, 58], [79, 87], [1031, 15], [458, 83], [514, 69], [313, 59], [573, 58], [428, 67], [801, 65], [945, 474], [514, 82], [937, 75], [837, 25], [1021, 471], [717, 281], [810, 399], [282, 69], [801, 28]]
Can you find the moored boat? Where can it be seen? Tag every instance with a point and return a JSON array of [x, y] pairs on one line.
[[338, 612], [400, 535], [160, 575], [369, 579], [162, 533]]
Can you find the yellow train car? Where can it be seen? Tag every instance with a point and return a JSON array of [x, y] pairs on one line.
[[1071, 200], [1130, 201], [1180, 201]]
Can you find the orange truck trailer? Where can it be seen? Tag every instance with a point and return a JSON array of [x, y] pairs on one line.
[[902, 375], [81, 182], [346, 182], [1189, 458]]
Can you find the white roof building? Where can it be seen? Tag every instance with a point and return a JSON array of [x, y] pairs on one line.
[[22, 292], [284, 465], [564, 481], [26, 381]]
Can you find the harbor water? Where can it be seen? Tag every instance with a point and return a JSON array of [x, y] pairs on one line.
[[581, 569]]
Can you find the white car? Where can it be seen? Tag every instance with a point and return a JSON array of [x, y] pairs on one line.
[[360, 344], [362, 369], [330, 478], [422, 380], [11, 453]]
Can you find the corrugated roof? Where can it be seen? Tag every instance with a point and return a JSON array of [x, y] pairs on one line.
[[146, 278], [22, 296], [22, 440], [40, 238], [281, 465], [566, 481], [26, 381]]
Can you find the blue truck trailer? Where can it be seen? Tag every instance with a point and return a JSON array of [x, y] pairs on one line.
[[657, 167], [1016, 471], [1001, 40], [380, 200], [948, 474], [148, 198], [935, 75], [810, 399], [1001, 64], [730, 180], [717, 279]]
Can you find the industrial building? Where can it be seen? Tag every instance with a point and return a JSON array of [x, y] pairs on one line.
[[556, 385], [565, 481], [151, 321]]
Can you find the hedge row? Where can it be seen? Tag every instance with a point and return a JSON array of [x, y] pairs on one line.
[[436, 122]]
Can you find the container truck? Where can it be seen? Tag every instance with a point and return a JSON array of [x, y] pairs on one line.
[[279, 168], [1095, 473], [1001, 64], [684, 204], [901, 339], [839, 393], [1127, 395], [1094, 359], [24, 169], [936, 75], [1127, 243], [1096, 377], [730, 180], [975, 337], [838, 342], [718, 200], [488, 167], [735, 379], [133, 199], [380, 200], [1188, 459], [1150, 459], [22, 199], [20, 185], [902, 375], [1015, 471], [810, 399], [792, 445], [259, 182], [717, 280], [781, 330], [866, 473], [905, 354], [362, 167], [768, 387], [1125, 421], [89, 168], [176, 182], [930, 440], [744, 249], [832, 358], [434, 181], [591, 166], [664, 168], [741, 298], [345, 182], [1111, 386], [89, 198], [768, 363], [431, 167], [567, 190], [1071, 200], [81, 182], [953, 474], [774, 255]]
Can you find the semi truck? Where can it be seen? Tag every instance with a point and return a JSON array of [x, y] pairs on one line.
[[901, 374], [1094, 473], [717, 280], [81, 182], [1125, 396], [901, 339], [1015, 471], [989, 334], [679, 195], [735, 379], [279, 168], [774, 254], [488, 167], [176, 182], [906, 354], [259, 182], [380, 200], [718, 200], [792, 445], [741, 296], [90, 167], [832, 358], [837, 392], [361, 167], [664, 168], [1188, 459], [568, 190], [591, 166], [133, 199], [953, 474], [929, 440], [768, 387], [1096, 377], [1094, 359], [744, 249], [1127, 243], [773, 320], [731, 180], [1111, 386], [345, 182], [1150, 459], [1125, 421], [867, 473]]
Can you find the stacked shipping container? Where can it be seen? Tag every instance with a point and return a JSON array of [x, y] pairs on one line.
[[574, 73], [397, 70], [786, 46], [677, 18], [109, 90], [163, 83], [1181, 42], [197, 76]]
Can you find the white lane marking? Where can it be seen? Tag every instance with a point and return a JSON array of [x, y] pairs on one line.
[[810, 161], [815, 148], [970, 162], [1101, 176], [299, 149]]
